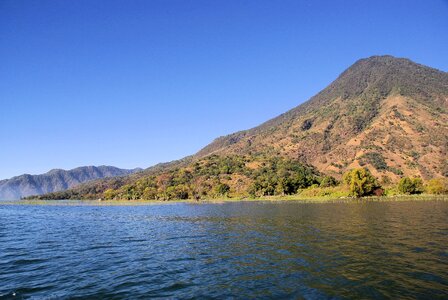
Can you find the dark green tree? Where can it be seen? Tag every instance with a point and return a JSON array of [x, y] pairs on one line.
[[328, 181], [222, 189]]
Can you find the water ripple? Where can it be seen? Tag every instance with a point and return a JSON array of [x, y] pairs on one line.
[[232, 250]]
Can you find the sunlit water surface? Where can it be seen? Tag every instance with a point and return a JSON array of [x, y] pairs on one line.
[[233, 250]]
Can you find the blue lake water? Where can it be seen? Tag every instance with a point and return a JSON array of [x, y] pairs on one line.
[[232, 250]]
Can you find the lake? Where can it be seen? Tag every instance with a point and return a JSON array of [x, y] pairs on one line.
[[283, 249]]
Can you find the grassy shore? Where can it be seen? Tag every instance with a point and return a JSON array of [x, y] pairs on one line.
[[298, 198], [420, 197]]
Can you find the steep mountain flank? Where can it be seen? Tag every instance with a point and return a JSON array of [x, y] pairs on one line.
[[55, 180], [386, 113]]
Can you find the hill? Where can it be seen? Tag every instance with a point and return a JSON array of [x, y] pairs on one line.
[[384, 113], [55, 180], [388, 114]]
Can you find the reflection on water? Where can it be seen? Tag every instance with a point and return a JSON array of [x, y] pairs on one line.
[[239, 249]]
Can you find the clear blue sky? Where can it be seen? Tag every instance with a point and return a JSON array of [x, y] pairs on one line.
[[133, 83]]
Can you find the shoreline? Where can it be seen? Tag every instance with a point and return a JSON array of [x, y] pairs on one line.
[[296, 198]]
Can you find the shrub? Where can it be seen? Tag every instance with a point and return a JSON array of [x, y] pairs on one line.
[[385, 180], [328, 181], [395, 171], [376, 160], [437, 186], [222, 189], [360, 182], [306, 125], [177, 192], [410, 185], [330, 192], [109, 194]]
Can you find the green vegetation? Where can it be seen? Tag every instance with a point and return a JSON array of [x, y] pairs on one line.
[[375, 159], [222, 189], [410, 186], [208, 178], [242, 177], [332, 192], [306, 125], [328, 181], [361, 183], [395, 171], [438, 186], [281, 177]]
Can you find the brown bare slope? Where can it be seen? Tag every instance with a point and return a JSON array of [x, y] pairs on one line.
[[386, 113]]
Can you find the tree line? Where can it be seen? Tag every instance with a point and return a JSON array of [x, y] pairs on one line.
[[237, 176]]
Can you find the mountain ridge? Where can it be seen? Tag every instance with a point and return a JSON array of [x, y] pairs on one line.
[[316, 99], [56, 180]]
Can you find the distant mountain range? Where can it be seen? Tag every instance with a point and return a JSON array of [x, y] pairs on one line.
[[55, 180], [384, 113]]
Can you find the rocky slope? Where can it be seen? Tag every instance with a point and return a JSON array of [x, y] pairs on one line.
[[55, 180]]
